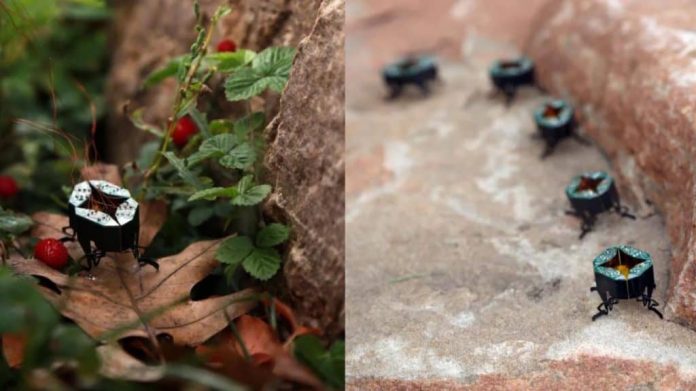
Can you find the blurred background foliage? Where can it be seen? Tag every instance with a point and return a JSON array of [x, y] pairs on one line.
[[53, 65]]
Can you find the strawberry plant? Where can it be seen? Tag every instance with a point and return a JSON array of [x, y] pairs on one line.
[[213, 172], [217, 249]]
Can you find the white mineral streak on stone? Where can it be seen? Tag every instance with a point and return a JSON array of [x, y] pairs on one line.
[[546, 260], [397, 160], [464, 319], [462, 208], [502, 164], [393, 355], [493, 354], [613, 338], [462, 8], [565, 14]]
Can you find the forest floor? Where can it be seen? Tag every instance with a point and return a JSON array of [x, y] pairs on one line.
[[460, 259]]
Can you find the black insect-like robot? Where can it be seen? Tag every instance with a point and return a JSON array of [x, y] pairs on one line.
[[419, 71], [592, 193], [624, 272], [104, 218], [509, 75], [555, 121]]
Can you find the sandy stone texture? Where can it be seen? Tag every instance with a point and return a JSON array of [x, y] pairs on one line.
[[629, 66], [306, 166], [462, 270]]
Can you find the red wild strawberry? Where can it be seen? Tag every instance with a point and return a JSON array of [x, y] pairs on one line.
[[8, 186], [185, 128], [226, 45], [52, 252]]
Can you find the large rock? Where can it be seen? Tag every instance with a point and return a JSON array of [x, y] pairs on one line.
[[306, 167], [147, 34], [629, 67]]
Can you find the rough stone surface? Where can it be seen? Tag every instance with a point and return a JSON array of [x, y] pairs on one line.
[[306, 166], [462, 270], [629, 66], [148, 33]]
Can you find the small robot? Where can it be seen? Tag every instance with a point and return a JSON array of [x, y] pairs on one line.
[[415, 70], [509, 75], [621, 273], [104, 218], [592, 193], [555, 120]]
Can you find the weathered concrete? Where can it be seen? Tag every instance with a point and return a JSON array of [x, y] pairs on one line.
[[630, 65], [462, 269]]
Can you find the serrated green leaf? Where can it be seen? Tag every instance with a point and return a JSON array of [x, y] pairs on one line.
[[270, 69], [328, 364], [199, 215], [241, 157], [227, 62], [272, 235], [234, 250], [213, 193], [14, 224], [213, 147], [262, 263], [245, 183], [183, 171], [252, 196]]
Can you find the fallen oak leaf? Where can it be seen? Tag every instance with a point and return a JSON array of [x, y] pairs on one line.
[[284, 311], [117, 364], [265, 349], [220, 355], [13, 345], [120, 293]]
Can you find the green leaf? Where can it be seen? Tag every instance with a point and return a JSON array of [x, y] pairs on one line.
[[272, 235], [242, 156], [200, 120], [200, 215], [136, 119], [227, 62], [252, 196], [249, 123], [168, 70], [213, 193], [328, 364], [262, 263], [14, 224], [223, 209], [213, 147], [270, 69], [234, 250], [183, 171], [218, 126]]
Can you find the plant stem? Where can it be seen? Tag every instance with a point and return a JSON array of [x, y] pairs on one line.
[[185, 85]]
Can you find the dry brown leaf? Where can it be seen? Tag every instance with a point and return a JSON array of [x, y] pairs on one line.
[[153, 215], [284, 311], [117, 364], [265, 349], [13, 348], [121, 293], [221, 355]]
